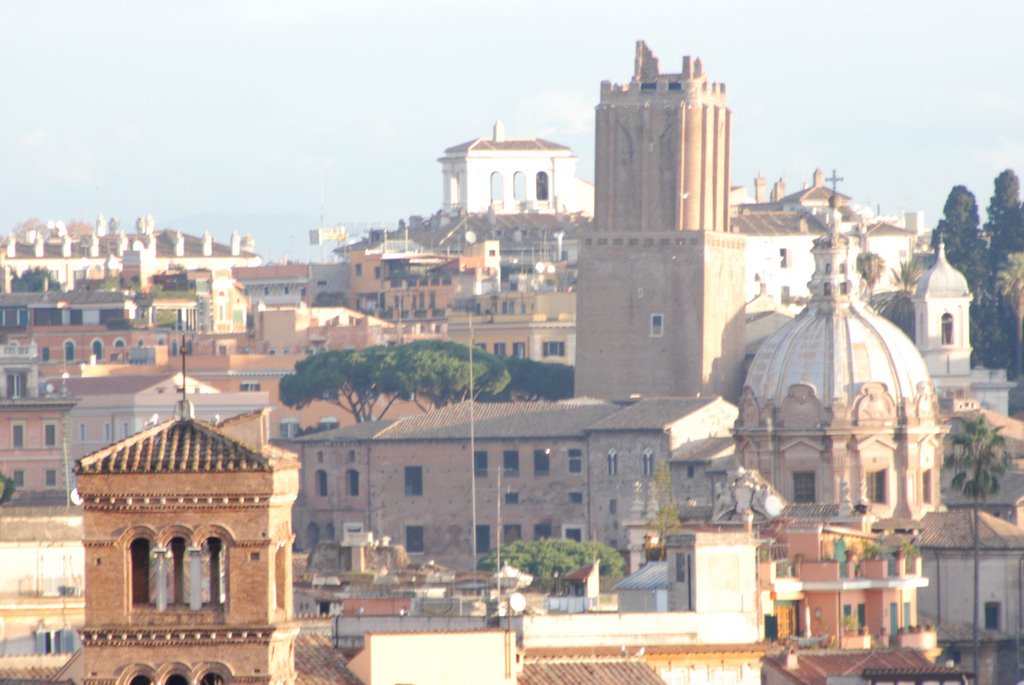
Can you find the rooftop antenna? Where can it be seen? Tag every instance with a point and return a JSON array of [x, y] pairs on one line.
[[184, 411]]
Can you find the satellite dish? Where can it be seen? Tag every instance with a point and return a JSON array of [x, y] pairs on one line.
[[51, 224], [539, 267], [773, 505], [137, 246], [76, 498], [49, 388], [470, 237], [61, 226], [516, 602]]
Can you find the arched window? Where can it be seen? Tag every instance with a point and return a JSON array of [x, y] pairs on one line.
[[97, 349], [648, 463], [140, 680], [519, 187], [329, 531], [613, 463], [139, 581], [321, 483], [947, 329], [119, 344], [69, 351], [497, 188], [352, 482], [542, 186], [212, 679], [176, 679], [213, 571], [177, 577], [312, 535]]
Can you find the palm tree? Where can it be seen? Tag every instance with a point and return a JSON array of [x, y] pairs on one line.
[[978, 460], [870, 267], [1010, 284], [897, 305]]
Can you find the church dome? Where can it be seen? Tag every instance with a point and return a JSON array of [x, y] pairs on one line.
[[942, 280], [837, 349]]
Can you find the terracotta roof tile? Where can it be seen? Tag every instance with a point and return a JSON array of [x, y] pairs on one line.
[[954, 530], [652, 413], [317, 662], [178, 446], [588, 672], [814, 668], [31, 668], [761, 223]]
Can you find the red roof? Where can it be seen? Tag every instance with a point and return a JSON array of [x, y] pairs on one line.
[[318, 663], [816, 668]]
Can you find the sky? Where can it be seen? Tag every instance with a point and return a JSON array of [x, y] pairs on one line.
[[221, 115]]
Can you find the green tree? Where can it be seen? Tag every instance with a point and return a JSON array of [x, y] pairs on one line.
[[6, 488], [978, 460], [355, 380], [870, 266], [897, 305], [1010, 284], [666, 518], [35, 280], [1005, 225], [531, 380], [542, 558], [965, 246], [436, 372]]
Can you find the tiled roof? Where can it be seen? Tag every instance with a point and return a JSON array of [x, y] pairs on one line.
[[758, 223], [588, 672], [502, 420], [270, 272], [652, 413], [954, 530], [318, 663], [1011, 490], [811, 510], [653, 576], [704, 450], [884, 228], [357, 431], [47, 526], [507, 145], [964, 632], [30, 669], [178, 446], [813, 194], [582, 573], [815, 668], [598, 651]]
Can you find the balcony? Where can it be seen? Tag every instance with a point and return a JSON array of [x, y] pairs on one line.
[[922, 638], [817, 575]]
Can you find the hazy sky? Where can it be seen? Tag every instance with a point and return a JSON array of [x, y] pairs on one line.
[[210, 115]]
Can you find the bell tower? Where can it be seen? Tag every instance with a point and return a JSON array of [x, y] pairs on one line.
[[660, 304], [188, 559]]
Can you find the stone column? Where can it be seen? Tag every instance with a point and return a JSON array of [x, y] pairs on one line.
[[161, 554], [195, 576]]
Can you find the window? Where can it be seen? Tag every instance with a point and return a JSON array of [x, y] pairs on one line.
[[413, 481], [926, 486], [499, 349], [97, 349], [139, 582], [351, 456], [250, 386], [81, 432], [16, 383], [554, 348], [50, 435], [689, 471], [511, 463], [947, 329], [483, 539], [613, 506], [511, 498], [803, 487], [657, 325], [497, 189], [647, 460], [17, 435], [352, 482], [783, 258], [106, 432], [992, 611], [359, 269], [51, 478], [519, 350], [414, 539], [19, 478], [877, 490], [541, 463], [542, 186], [512, 532], [573, 533], [613, 463], [321, 483], [69, 351], [575, 498], [519, 187], [45, 352], [575, 461], [480, 464], [541, 531]]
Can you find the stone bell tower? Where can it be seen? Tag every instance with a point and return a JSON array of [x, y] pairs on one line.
[[660, 304], [188, 559]]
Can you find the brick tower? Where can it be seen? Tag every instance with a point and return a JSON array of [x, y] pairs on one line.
[[660, 304], [188, 559]]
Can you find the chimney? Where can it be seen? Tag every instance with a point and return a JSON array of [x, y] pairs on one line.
[[101, 226], [94, 246], [122, 243], [778, 190], [207, 244], [499, 131], [65, 246], [819, 178], [179, 244], [39, 244], [12, 248], [248, 243], [760, 189], [792, 661], [236, 244]]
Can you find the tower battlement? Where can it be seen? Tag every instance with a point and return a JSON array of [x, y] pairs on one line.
[[690, 82]]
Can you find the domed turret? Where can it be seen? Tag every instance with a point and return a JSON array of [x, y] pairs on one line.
[[831, 396], [942, 280]]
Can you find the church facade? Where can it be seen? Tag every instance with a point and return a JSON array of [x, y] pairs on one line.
[[660, 308]]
